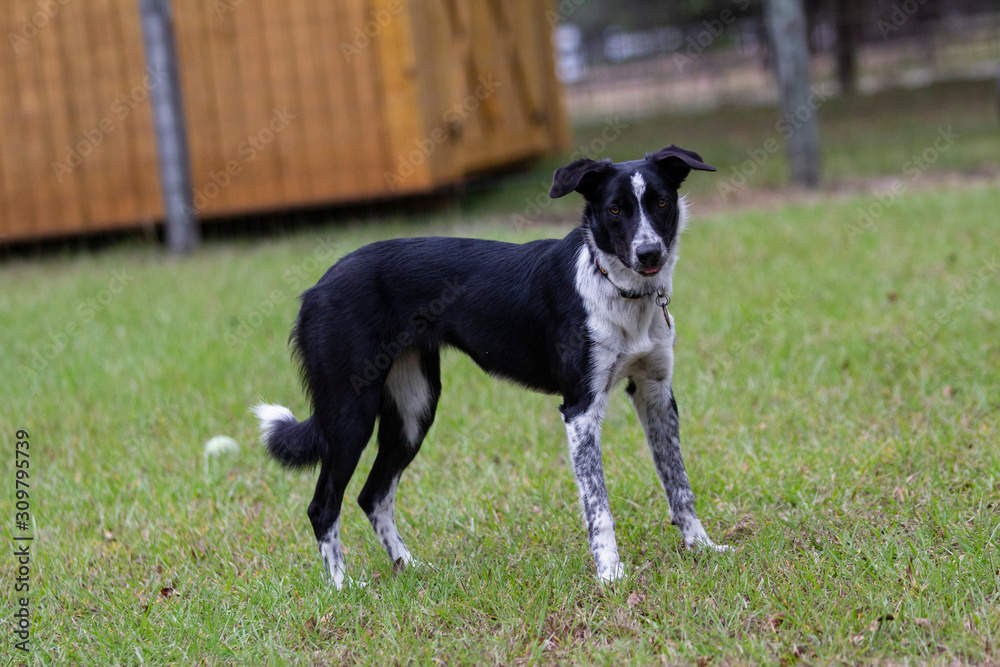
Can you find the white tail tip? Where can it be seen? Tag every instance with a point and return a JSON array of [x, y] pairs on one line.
[[270, 416]]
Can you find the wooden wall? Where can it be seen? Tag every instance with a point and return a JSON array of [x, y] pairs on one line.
[[288, 103], [77, 150]]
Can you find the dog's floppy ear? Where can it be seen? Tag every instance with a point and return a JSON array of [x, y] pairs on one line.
[[675, 163], [578, 176]]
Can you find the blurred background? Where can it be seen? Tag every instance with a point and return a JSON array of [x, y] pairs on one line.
[[311, 111]]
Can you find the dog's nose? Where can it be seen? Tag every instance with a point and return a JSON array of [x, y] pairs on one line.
[[649, 254]]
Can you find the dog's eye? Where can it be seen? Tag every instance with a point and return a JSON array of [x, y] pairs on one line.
[[661, 203], [614, 210]]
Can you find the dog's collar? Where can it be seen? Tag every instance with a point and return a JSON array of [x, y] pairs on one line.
[[662, 298], [626, 294]]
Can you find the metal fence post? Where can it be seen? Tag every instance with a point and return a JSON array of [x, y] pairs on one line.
[[182, 229]]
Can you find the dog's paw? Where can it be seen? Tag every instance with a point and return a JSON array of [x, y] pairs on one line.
[[705, 544], [342, 582], [418, 564], [611, 574]]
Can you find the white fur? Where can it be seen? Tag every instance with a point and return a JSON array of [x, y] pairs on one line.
[[626, 332], [270, 416], [383, 521], [410, 392], [629, 337], [645, 234], [333, 555], [625, 277], [603, 543]]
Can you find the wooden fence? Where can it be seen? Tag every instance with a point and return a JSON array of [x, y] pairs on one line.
[[288, 103]]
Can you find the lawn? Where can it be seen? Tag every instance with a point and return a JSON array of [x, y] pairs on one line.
[[837, 376]]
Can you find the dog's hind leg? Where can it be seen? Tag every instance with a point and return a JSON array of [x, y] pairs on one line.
[[347, 432], [409, 399], [654, 403]]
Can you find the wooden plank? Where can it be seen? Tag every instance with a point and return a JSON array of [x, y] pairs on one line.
[[482, 62], [340, 115], [366, 94], [555, 111], [256, 184], [123, 75], [223, 69], [365, 138], [530, 64], [313, 103], [85, 111], [38, 152], [433, 38], [36, 158], [137, 125], [400, 117], [293, 141], [32, 158], [272, 161], [106, 161], [8, 224], [18, 191], [199, 100]]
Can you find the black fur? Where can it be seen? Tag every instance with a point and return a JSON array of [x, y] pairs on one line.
[[516, 310]]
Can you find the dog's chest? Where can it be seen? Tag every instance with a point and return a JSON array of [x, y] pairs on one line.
[[629, 337]]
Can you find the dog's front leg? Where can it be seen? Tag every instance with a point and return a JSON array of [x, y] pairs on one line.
[[654, 403], [583, 431]]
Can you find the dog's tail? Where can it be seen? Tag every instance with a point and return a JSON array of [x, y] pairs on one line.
[[289, 442]]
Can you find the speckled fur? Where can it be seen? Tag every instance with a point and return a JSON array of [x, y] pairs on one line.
[[541, 314]]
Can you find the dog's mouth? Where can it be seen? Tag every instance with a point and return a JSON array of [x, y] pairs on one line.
[[649, 271]]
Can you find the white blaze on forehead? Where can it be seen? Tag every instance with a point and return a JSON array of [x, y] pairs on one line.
[[645, 233], [638, 186]]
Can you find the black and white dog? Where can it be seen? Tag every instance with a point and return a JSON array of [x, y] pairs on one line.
[[572, 317]]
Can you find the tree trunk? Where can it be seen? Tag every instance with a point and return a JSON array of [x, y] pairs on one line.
[[171, 134], [787, 26], [847, 44]]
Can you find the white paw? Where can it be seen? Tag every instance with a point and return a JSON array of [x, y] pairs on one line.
[[705, 544], [611, 574], [418, 564], [341, 581]]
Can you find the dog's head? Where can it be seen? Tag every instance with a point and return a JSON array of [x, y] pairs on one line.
[[633, 213]]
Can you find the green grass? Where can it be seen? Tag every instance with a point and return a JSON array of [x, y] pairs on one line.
[[856, 475]]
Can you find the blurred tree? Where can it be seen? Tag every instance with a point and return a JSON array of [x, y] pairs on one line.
[[848, 22], [786, 23]]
